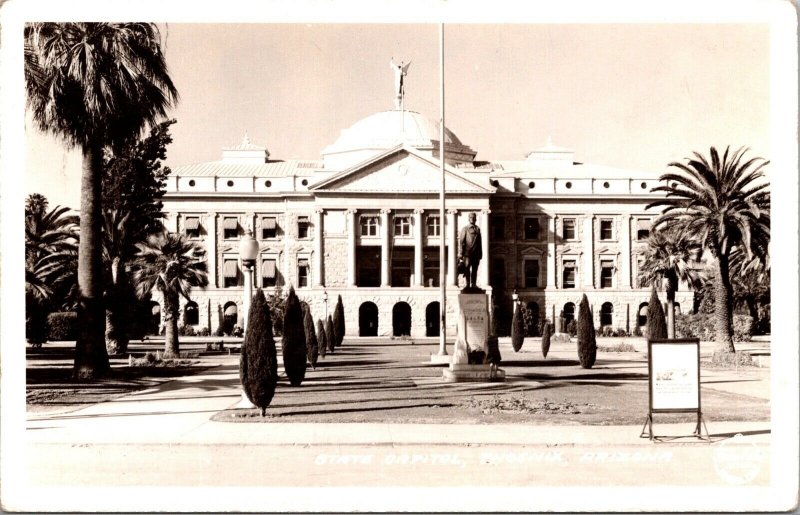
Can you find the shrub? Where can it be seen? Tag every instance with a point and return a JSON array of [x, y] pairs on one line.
[[204, 332], [237, 331], [637, 331], [277, 306], [493, 355], [532, 328], [587, 346], [219, 332], [330, 337], [338, 321], [735, 359], [617, 347], [322, 340], [696, 325], [293, 343], [620, 332], [547, 332], [517, 330], [258, 364], [607, 331], [311, 338], [572, 327], [35, 320], [62, 326], [656, 322], [742, 328], [186, 330]]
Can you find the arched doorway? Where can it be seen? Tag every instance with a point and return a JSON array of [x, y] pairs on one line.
[[368, 319], [533, 309], [191, 315], [569, 313], [606, 314], [155, 318], [677, 308], [401, 319], [230, 317], [432, 319], [641, 319]]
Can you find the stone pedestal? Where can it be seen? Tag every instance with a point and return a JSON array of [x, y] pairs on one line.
[[472, 342]]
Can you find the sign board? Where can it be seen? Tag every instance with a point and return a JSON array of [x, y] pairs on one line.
[[473, 325], [674, 375]]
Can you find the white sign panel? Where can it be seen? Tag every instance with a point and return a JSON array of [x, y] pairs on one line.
[[674, 379]]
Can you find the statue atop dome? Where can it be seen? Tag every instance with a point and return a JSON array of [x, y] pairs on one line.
[[400, 71]]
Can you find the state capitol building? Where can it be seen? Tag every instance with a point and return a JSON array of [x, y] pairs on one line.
[[363, 222]]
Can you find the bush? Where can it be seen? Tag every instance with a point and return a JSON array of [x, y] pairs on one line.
[[698, 325], [532, 328], [338, 322], [493, 355], [587, 346], [329, 334], [617, 347], [517, 330], [547, 332], [186, 330], [322, 340], [743, 328], [293, 343], [735, 359], [637, 331], [312, 348], [62, 326], [219, 331], [656, 321], [572, 327], [35, 320], [204, 332], [258, 364], [237, 331], [277, 306], [620, 332]]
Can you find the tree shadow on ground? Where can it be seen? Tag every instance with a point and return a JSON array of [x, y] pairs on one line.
[[356, 410], [611, 376], [540, 363]]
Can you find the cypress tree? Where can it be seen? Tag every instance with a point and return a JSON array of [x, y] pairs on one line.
[[293, 343], [338, 321], [329, 334], [517, 330], [656, 321], [587, 346], [322, 342], [311, 338], [258, 364], [547, 332]]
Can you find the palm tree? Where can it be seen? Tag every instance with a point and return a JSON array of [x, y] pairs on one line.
[[92, 84], [668, 259], [723, 205], [173, 265], [50, 250], [121, 232]]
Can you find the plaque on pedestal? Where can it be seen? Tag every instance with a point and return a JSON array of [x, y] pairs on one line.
[[469, 361]]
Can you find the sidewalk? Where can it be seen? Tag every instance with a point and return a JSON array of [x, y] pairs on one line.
[[179, 412]]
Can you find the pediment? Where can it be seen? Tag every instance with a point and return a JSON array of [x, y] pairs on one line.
[[533, 249], [571, 250], [607, 251], [399, 170]]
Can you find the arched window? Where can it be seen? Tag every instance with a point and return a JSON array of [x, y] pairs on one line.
[[191, 315], [401, 319], [569, 312], [641, 319], [368, 319], [606, 314]]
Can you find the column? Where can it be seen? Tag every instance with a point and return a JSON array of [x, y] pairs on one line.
[[172, 222], [386, 233], [418, 235], [288, 232], [483, 269], [352, 227], [450, 230], [625, 248], [210, 226], [551, 252], [318, 256], [588, 251]]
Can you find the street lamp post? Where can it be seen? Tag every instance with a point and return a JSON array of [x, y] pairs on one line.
[[325, 300], [248, 251], [515, 299]]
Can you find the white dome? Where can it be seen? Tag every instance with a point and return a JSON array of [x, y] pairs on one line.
[[387, 129]]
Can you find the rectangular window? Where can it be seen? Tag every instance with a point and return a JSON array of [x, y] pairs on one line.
[[230, 273], [569, 229], [498, 227], [569, 275], [531, 228], [269, 227], [498, 273], [269, 273], [192, 227], [302, 227], [606, 229], [302, 273], [642, 229], [230, 227], [369, 226], [532, 273], [402, 226], [434, 227], [607, 274]]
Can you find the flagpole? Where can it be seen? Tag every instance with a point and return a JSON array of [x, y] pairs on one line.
[[442, 229]]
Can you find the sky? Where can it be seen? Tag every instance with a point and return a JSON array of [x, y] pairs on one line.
[[626, 95]]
